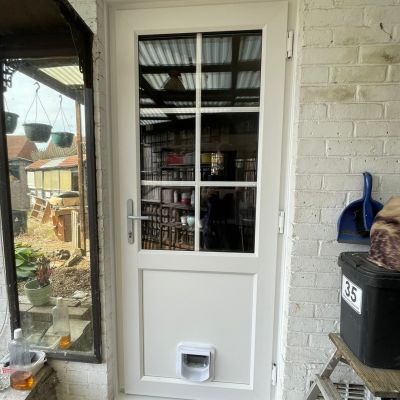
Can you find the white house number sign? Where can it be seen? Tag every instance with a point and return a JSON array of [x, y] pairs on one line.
[[352, 294]]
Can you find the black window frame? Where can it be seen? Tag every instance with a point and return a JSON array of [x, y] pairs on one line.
[[82, 39]]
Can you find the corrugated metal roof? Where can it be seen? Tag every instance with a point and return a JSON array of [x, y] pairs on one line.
[[250, 48], [210, 80], [152, 112], [217, 50], [157, 81], [247, 101], [179, 103], [54, 163], [248, 80], [211, 103], [180, 51], [216, 80], [37, 164], [68, 75], [145, 122], [146, 101]]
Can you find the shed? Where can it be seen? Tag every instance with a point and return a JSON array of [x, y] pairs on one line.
[[50, 177], [20, 151]]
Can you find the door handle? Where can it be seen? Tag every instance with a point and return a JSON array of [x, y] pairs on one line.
[[131, 219], [139, 217]]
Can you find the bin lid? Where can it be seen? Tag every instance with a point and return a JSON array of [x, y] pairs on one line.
[[371, 272]]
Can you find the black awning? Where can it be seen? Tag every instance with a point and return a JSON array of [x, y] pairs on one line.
[[40, 28]]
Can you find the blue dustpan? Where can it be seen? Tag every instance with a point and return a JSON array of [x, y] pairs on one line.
[[356, 219]]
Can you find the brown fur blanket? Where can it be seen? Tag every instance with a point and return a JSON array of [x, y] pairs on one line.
[[385, 236]]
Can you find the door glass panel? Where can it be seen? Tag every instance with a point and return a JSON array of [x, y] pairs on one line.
[[231, 69], [229, 144], [199, 130], [167, 71], [227, 219], [171, 213], [167, 146]]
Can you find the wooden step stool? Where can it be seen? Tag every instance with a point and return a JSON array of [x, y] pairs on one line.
[[384, 383]]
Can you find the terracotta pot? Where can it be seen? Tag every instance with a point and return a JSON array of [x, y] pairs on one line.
[[37, 295]]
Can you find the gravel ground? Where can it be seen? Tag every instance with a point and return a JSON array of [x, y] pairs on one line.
[[65, 280]]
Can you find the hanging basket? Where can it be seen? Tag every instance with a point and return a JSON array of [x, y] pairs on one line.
[[36, 132], [11, 121], [62, 139]]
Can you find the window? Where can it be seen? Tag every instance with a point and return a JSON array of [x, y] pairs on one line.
[[48, 169], [199, 102]]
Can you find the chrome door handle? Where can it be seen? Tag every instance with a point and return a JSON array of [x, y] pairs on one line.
[[131, 219]]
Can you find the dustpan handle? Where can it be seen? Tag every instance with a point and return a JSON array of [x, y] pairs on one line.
[[367, 185]]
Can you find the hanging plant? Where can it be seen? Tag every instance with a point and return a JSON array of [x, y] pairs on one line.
[[11, 119], [35, 131], [63, 138]]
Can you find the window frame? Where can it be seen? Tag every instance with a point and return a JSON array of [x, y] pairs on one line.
[[85, 44]]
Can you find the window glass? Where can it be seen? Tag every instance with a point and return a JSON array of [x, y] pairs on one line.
[[167, 67], [231, 69], [228, 219], [199, 101], [46, 142]]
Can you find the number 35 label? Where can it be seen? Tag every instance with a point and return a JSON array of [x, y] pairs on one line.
[[352, 294]]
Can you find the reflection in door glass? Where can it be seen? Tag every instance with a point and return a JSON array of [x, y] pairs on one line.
[[228, 219], [229, 145], [231, 69], [167, 71], [190, 135], [171, 218], [167, 146]]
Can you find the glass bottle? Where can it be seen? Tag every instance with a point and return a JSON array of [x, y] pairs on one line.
[[21, 378], [61, 323]]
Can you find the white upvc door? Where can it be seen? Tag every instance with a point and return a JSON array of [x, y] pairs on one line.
[[197, 104]]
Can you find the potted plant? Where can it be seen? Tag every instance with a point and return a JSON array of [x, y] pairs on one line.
[[39, 290]]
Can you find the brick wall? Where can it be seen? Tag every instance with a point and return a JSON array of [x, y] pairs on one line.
[[4, 315], [348, 119]]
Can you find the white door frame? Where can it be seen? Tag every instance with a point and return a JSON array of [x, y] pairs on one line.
[[114, 5]]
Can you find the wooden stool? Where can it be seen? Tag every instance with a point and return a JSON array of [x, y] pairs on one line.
[[384, 383]]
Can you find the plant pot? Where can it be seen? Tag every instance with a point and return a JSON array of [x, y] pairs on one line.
[[37, 295], [37, 132], [11, 121], [62, 139]]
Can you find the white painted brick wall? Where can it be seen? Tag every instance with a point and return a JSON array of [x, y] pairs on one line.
[[348, 114]]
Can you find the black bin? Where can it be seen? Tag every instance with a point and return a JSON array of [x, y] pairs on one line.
[[370, 311]]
